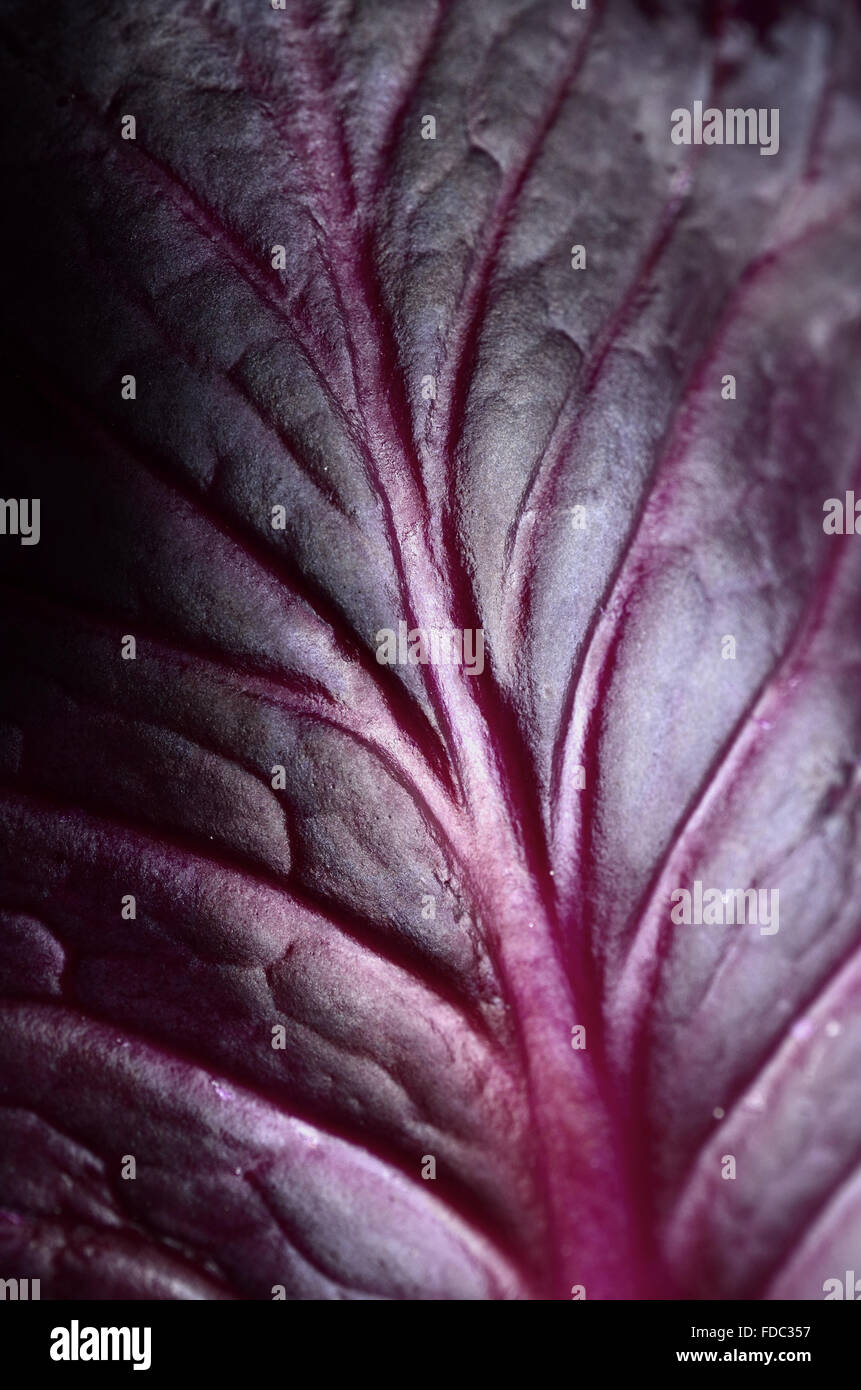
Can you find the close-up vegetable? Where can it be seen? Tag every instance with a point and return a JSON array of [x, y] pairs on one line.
[[429, 714]]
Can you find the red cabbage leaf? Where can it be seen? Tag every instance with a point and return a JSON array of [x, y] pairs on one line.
[[455, 871]]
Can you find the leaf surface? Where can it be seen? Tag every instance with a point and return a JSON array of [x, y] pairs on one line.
[[433, 900]]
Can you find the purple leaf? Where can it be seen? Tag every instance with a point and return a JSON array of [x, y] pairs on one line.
[[376, 906]]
